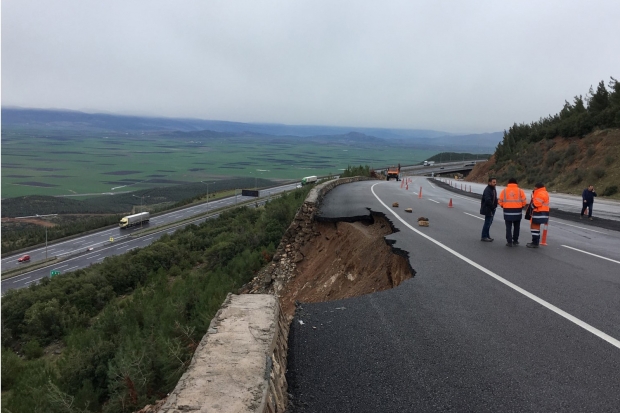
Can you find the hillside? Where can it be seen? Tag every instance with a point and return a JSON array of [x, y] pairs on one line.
[[563, 164], [576, 147]]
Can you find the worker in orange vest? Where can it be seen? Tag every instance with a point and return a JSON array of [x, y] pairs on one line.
[[540, 212], [512, 199]]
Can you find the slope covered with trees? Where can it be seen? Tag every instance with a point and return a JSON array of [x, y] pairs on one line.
[[580, 143], [115, 336]]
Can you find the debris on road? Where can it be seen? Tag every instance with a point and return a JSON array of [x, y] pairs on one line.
[[408, 210], [395, 204], [423, 222]]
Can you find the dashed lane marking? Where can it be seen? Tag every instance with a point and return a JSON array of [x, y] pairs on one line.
[[589, 253], [472, 215], [614, 342], [433, 200], [575, 226]]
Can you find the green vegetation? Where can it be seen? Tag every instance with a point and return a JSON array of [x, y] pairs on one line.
[[356, 171], [127, 328], [577, 119], [456, 156], [577, 145], [56, 162]]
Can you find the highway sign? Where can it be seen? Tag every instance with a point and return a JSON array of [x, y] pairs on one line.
[[54, 272]]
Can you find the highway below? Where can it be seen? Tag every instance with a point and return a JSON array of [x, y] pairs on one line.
[[481, 327], [114, 241]]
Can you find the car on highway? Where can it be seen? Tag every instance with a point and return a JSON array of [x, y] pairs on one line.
[[441, 167], [24, 258], [89, 249]]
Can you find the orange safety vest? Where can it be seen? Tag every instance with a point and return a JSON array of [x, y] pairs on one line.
[[512, 197], [540, 200]]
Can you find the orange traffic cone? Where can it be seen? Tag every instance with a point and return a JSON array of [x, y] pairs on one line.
[[420, 193], [450, 203], [407, 187], [402, 183], [544, 228]]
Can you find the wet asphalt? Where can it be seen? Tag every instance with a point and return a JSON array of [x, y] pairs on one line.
[[454, 338]]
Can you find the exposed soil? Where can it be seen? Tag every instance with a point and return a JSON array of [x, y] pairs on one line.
[[345, 260]]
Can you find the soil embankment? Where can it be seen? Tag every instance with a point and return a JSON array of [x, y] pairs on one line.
[[343, 260]]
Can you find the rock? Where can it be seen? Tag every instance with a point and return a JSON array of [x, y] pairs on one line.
[[395, 204], [423, 223], [408, 210], [299, 257]]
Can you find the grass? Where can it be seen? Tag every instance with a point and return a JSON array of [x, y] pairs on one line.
[[39, 162]]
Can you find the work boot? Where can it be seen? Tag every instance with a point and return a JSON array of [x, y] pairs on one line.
[[591, 219], [486, 239], [531, 245], [509, 244], [515, 243]]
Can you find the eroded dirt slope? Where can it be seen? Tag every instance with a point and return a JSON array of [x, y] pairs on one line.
[[345, 260]]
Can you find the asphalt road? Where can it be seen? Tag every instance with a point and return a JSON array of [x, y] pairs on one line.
[[481, 327], [75, 249]]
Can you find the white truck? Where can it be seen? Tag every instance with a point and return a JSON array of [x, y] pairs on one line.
[[429, 163], [135, 219], [308, 180]]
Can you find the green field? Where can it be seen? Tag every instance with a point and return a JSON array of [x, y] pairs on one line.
[[53, 162]]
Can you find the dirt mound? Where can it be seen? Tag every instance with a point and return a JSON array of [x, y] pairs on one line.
[[345, 260]]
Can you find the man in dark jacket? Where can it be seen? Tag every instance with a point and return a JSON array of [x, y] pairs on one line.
[[588, 200], [488, 205]]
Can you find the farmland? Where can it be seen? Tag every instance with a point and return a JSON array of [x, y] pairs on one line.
[[70, 162]]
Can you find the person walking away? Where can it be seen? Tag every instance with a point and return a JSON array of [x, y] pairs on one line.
[[540, 213], [487, 208], [512, 199], [588, 200]]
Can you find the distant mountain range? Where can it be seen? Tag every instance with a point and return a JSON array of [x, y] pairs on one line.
[[66, 119]]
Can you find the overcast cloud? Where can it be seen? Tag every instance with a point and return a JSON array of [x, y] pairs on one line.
[[457, 66]]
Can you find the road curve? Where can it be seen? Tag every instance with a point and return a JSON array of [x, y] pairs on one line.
[[481, 327]]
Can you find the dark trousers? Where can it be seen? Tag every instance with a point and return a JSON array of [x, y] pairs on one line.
[[589, 206], [510, 235], [488, 220]]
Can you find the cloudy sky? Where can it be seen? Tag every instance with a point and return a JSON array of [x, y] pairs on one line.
[[456, 66]]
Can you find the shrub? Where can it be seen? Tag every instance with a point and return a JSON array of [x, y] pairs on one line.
[[590, 152], [577, 177], [552, 158], [609, 160], [598, 172], [610, 190], [33, 350]]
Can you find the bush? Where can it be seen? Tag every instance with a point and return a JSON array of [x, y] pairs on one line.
[[598, 172], [552, 158], [590, 152], [609, 160], [610, 190], [33, 350], [577, 177]]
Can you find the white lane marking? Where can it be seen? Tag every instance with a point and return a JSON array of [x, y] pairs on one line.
[[589, 253], [614, 342], [415, 192], [433, 200], [587, 229], [431, 184], [21, 279], [66, 265], [29, 282], [72, 268], [472, 215], [95, 256]]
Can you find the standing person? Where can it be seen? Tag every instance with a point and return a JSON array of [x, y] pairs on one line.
[[540, 213], [487, 208], [588, 200], [512, 200]]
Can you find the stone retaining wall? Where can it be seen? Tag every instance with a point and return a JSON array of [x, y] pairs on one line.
[[240, 364]]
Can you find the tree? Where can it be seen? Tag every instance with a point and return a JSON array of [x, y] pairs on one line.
[[599, 100]]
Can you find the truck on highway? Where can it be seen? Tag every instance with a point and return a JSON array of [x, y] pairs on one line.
[[393, 172], [429, 163], [135, 219], [308, 180]]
